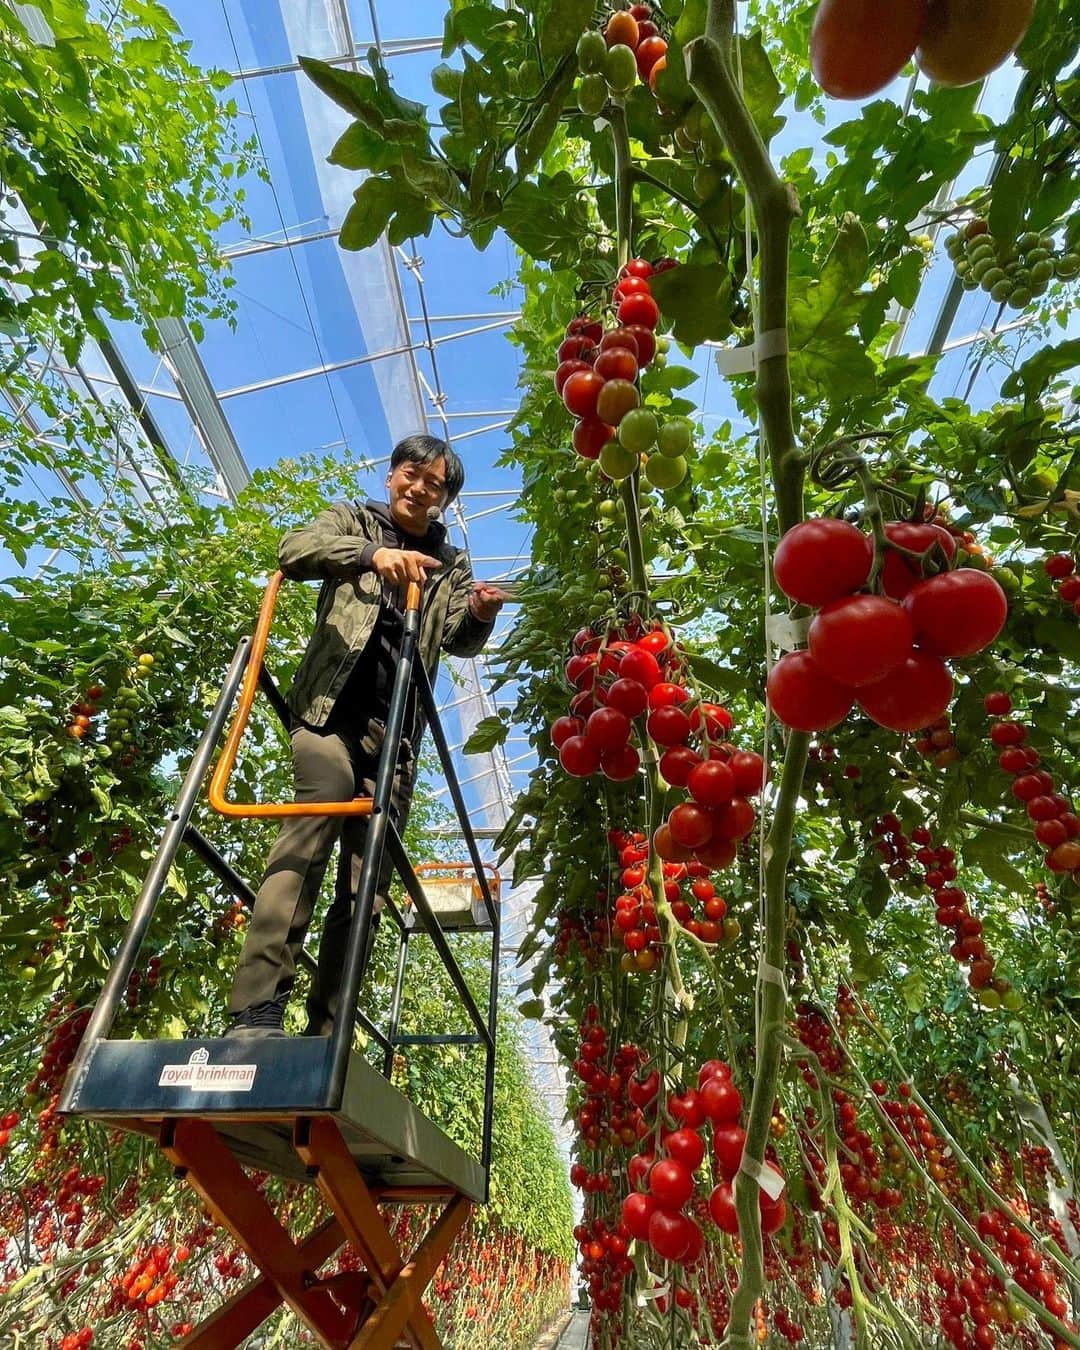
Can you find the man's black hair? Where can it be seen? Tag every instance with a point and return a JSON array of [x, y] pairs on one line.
[[426, 450]]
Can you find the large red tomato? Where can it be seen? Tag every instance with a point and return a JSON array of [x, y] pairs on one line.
[[857, 47], [638, 310], [581, 391], [821, 560], [590, 436], [669, 1234], [899, 573], [912, 695], [860, 638], [803, 697], [637, 1210], [957, 613]]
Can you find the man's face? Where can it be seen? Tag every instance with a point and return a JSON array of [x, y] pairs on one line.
[[414, 490]]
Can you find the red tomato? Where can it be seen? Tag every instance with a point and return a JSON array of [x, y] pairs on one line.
[[646, 342], [658, 65], [734, 820], [899, 573], [565, 727], [615, 400], [664, 694], [677, 762], [638, 311], [636, 267], [749, 770], [821, 560], [629, 696], [639, 664], [669, 1234], [620, 337], [803, 697], [565, 370], [665, 845], [590, 436], [715, 719], [1058, 566], [608, 729], [620, 764], [722, 1209], [581, 391], [690, 825], [670, 1184], [718, 853], [913, 694], [637, 1210], [957, 613], [857, 47], [575, 348], [650, 50], [728, 1144], [686, 1147], [860, 638], [711, 783], [617, 363], [579, 757], [586, 326], [630, 285], [721, 1099]]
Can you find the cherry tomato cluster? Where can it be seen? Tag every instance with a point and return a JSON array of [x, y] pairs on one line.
[[597, 377], [938, 743], [611, 1113], [951, 904], [605, 1262], [77, 1340], [630, 48], [1061, 567], [84, 711], [1055, 824], [137, 983], [1011, 271], [635, 916], [149, 1279], [887, 652], [588, 933]]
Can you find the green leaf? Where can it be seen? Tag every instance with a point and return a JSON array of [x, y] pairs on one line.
[[713, 676], [361, 148], [824, 355], [532, 1008], [561, 23], [985, 850], [374, 203], [696, 298], [913, 990], [761, 88], [1012, 189], [1037, 372], [547, 218], [486, 735]]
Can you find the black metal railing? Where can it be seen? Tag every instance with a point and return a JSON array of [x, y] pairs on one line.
[[382, 835]]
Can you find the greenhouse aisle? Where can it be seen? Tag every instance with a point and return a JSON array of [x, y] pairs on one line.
[[575, 1335]]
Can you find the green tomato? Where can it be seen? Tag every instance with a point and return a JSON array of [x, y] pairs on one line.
[[591, 53], [637, 430], [1020, 297], [659, 361], [592, 94], [1013, 1000], [1002, 290], [709, 182], [1037, 255], [712, 143], [618, 462], [674, 438], [1042, 271], [619, 558], [620, 68], [608, 509], [1028, 241], [663, 344], [1068, 265], [981, 266], [665, 471], [991, 277], [989, 998]]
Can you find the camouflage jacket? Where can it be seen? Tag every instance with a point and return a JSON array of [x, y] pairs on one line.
[[330, 550]]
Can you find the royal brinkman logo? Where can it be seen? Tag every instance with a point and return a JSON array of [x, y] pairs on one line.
[[199, 1075]]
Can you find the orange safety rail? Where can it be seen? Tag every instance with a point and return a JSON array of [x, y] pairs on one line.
[[425, 871], [359, 806]]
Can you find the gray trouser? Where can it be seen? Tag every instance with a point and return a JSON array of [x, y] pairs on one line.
[[330, 764]]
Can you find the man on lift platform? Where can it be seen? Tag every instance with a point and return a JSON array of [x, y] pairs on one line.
[[365, 556]]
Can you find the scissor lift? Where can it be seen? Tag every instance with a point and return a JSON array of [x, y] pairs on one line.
[[310, 1108]]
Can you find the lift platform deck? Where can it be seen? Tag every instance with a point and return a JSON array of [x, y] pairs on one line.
[[253, 1090]]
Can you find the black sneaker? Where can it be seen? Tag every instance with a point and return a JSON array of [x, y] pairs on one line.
[[260, 1020]]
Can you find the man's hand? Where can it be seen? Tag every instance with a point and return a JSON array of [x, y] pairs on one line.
[[486, 601], [400, 565]]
